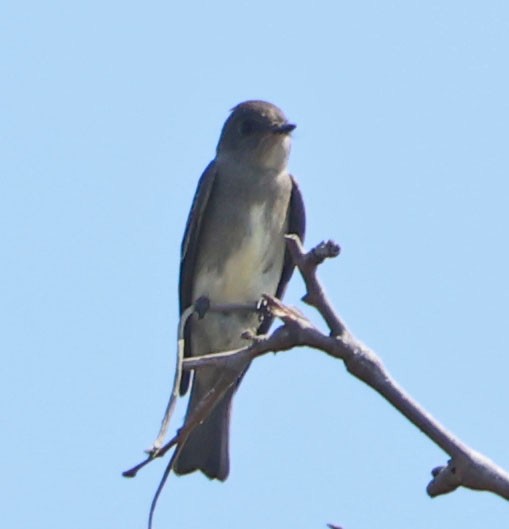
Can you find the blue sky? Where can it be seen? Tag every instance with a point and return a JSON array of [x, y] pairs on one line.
[[110, 111]]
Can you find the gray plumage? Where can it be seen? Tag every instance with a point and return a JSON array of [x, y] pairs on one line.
[[234, 251]]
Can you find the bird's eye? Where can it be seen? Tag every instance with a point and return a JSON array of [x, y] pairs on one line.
[[247, 127]]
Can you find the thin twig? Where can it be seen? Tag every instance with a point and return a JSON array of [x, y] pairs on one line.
[[160, 487], [170, 408]]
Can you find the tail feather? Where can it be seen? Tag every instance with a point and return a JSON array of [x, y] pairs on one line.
[[206, 448]]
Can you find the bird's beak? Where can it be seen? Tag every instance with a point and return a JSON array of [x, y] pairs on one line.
[[285, 128]]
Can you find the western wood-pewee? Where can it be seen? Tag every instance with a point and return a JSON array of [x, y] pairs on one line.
[[234, 251]]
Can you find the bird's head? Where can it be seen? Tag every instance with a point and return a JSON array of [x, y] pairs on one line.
[[257, 133]]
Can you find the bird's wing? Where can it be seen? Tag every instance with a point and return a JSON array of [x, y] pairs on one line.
[[297, 226], [189, 250]]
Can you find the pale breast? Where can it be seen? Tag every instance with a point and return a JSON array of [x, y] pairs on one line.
[[251, 269]]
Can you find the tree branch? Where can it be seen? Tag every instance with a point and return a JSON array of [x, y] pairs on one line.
[[466, 467]]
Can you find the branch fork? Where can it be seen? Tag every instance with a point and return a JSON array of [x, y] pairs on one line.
[[465, 468]]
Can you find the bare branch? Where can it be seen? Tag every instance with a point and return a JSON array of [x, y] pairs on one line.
[[466, 468], [307, 265]]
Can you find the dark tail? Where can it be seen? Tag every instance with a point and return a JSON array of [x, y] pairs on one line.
[[206, 448]]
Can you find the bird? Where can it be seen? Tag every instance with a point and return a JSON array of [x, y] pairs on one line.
[[233, 251]]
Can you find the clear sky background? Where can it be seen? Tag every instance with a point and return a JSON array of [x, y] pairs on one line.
[[109, 113]]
